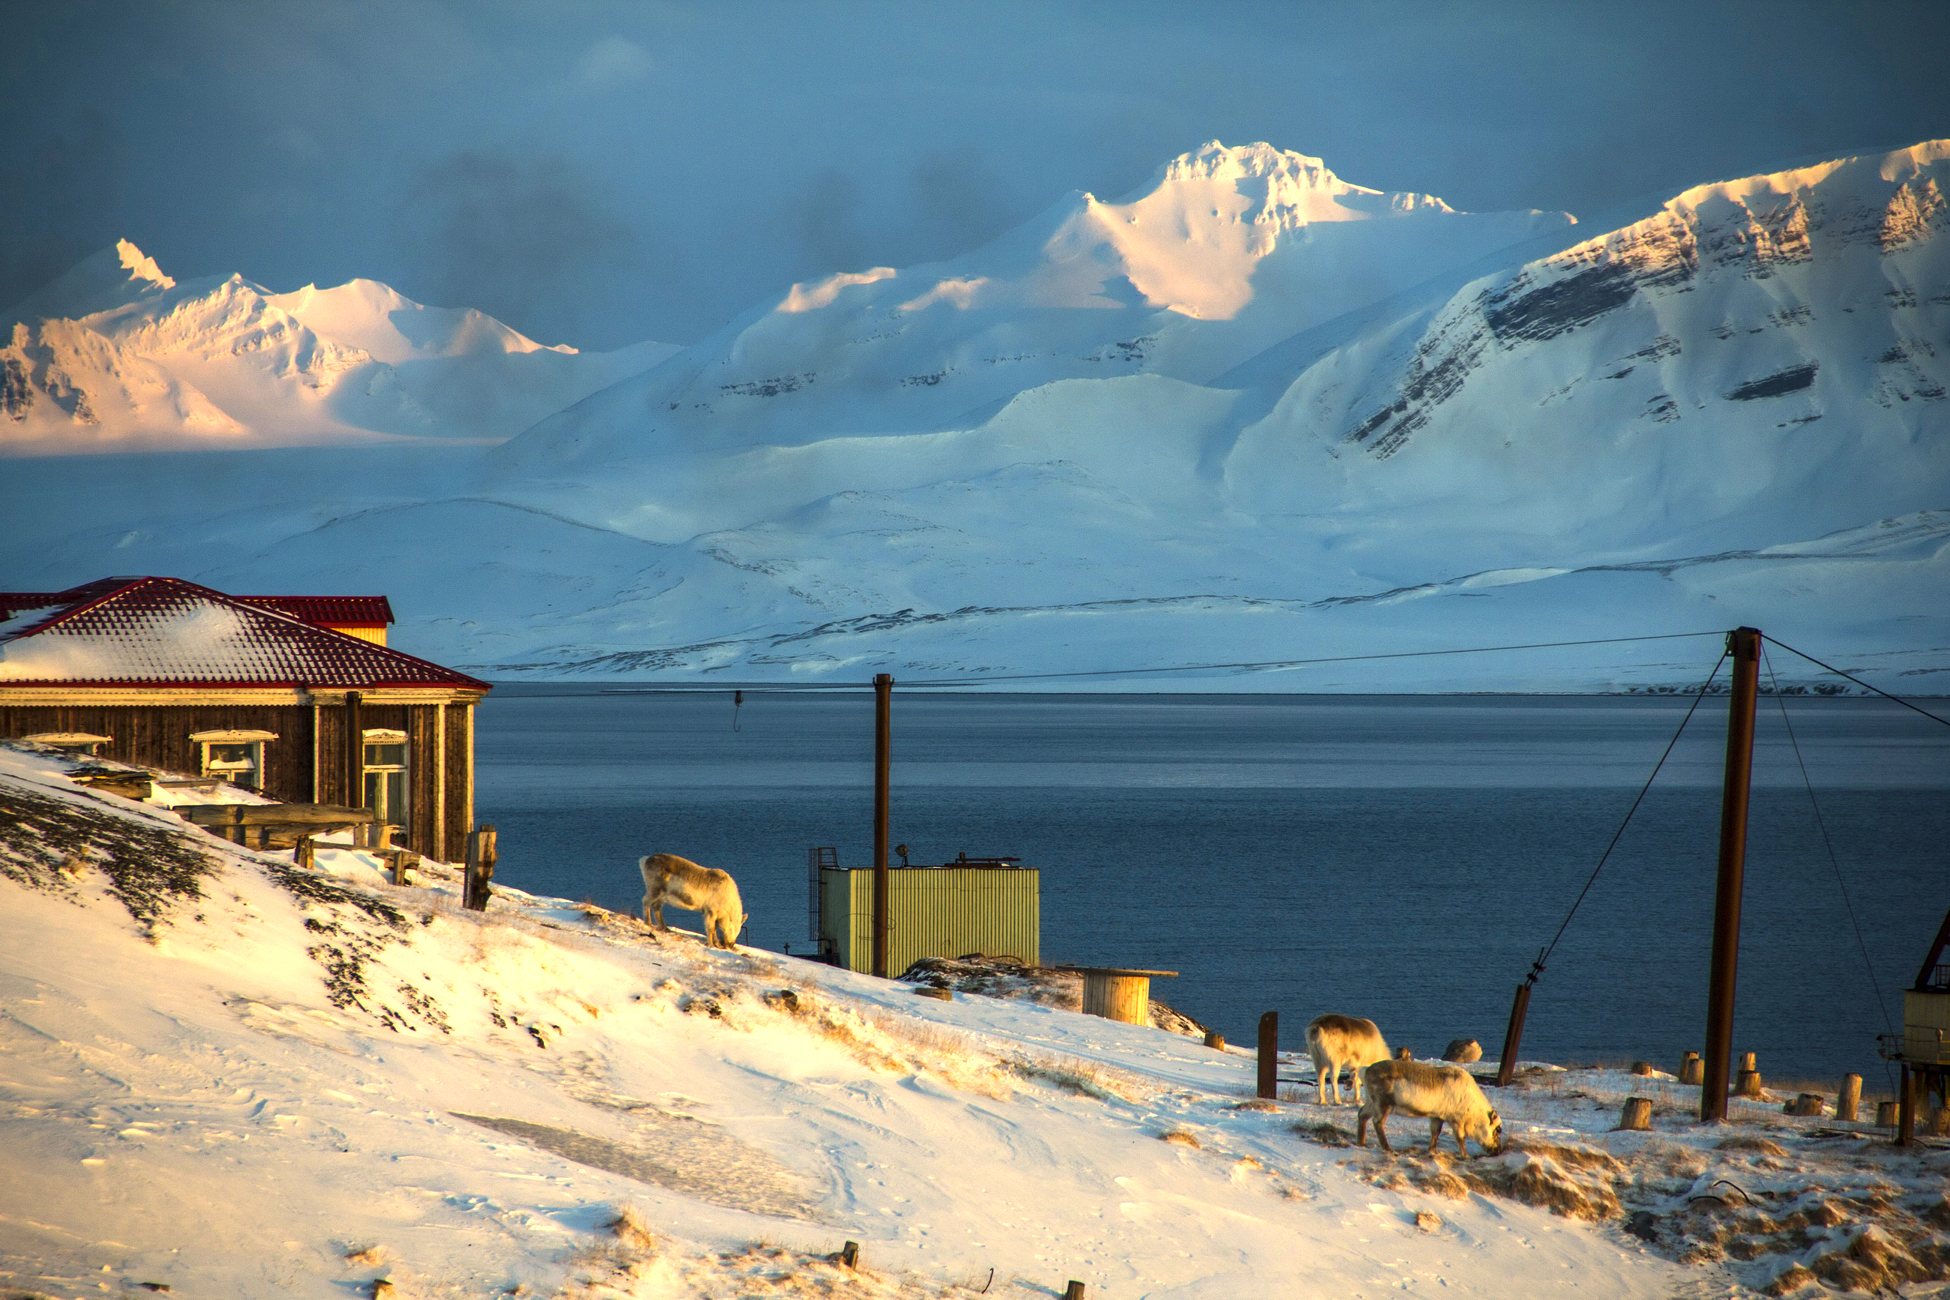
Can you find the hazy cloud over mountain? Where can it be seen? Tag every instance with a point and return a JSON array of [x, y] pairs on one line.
[[598, 173]]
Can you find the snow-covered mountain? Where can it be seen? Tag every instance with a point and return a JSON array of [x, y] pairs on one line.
[[1249, 413], [116, 356]]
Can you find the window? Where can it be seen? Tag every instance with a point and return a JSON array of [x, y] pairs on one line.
[[386, 770], [235, 756]]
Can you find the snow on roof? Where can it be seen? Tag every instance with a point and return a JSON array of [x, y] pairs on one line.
[[168, 631]]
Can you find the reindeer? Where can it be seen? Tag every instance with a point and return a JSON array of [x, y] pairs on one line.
[[1440, 1092], [1334, 1041], [679, 882]]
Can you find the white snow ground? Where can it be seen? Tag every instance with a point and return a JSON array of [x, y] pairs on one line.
[[227, 1077]]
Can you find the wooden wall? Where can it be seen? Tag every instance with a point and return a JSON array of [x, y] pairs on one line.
[[158, 736]]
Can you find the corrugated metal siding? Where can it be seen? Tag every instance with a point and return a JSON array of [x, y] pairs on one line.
[[932, 912]]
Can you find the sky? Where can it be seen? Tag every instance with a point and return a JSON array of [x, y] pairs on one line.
[[596, 173]]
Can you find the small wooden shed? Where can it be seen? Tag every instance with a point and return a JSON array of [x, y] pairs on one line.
[[294, 696]]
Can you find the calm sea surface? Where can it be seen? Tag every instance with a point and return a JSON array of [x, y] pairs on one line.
[[1398, 857]]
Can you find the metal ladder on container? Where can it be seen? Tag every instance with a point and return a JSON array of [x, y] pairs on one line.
[[823, 858]]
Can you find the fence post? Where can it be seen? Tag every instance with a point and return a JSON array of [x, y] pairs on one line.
[[475, 890], [1269, 1054]]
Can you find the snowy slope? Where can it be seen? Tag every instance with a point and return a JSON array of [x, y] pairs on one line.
[[117, 356], [271, 1081], [1249, 414]]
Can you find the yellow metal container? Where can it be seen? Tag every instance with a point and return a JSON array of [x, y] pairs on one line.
[[931, 912], [1926, 1028]]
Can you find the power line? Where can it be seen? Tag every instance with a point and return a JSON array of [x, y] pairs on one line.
[[1537, 967], [1821, 823], [1864, 685], [1299, 663]]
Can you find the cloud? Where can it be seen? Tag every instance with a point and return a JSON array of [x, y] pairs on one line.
[[515, 238]]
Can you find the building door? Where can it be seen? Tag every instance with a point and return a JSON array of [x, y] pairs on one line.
[[386, 784]]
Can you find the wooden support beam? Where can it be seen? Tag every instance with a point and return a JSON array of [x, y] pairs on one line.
[[1743, 644]]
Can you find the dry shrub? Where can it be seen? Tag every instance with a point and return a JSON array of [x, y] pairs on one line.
[[630, 1230], [1427, 1221], [1257, 1103], [1179, 1137], [365, 1256], [1441, 1182], [1078, 1076], [1574, 1182], [1327, 1135], [1789, 1280], [1870, 1261], [1758, 1145]]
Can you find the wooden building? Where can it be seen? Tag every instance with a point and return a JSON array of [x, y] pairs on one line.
[[297, 697]]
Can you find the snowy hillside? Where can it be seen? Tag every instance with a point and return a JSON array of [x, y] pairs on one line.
[[1250, 413], [266, 1080], [117, 356]]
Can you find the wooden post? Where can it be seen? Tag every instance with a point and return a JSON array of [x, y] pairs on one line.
[[1074, 1291], [883, 739], [1215, 1040], [1689, 1068], [1637, 1116], [1886, 1114], [1850, 1101], [306, 855], [475, 890], [1750, 1061], [355, 752], [1806, 1104], [1269, 1054], [1748, 1083], [1506, 1068], [1906, 1091], [850, 1254], [1743, 643]]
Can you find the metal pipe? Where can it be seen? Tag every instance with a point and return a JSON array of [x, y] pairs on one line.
[[1743, 644], [883, 741]]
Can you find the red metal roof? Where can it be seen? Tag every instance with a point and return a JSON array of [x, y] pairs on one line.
[[329, 611], [165, 631]]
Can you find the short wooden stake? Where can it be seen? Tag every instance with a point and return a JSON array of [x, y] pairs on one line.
[[1269, 1056], [850, 1254], [1074, 1291], [1642, 1068], [475, 889], [1850, 1101], [1637, 1116], [1216, 1041], [1748, 1084], [1885, 1114], [1749, 1063], [1807, 1105], [306, 856], [1692, 1070]]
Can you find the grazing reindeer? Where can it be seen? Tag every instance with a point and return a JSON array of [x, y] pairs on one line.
[[1440, 1092], [680, 882], [1335, 1041]]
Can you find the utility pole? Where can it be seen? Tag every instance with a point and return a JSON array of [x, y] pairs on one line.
[[1743, 644], [883, 740]]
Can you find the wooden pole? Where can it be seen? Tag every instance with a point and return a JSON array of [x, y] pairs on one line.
[[1074, 1291], [1743, 643], [1850, 1101], [1269, 1054], [883, 740], [475, 890], [355, 752], [1506, 1068], [1906, 1092]]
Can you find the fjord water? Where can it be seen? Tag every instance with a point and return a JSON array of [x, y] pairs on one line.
[[1398, 857]]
